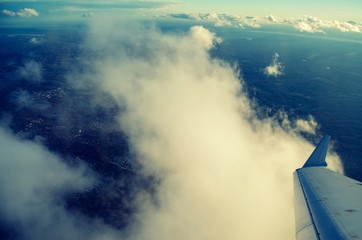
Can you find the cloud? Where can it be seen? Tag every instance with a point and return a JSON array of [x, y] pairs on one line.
[[23, 13], [31, 71], [349, 26], [305, 27], [221, 19], [88, 14], [272, 19], [307, 24], [9, 13], [275, 69], [33, 183], [312, 24], [36, 40], [307, 126], [22, 99], [204, 37], [220, 171]]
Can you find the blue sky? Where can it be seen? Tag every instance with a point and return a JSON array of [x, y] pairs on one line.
[[324, 9]]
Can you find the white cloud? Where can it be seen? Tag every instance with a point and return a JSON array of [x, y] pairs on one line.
[[204, 37], [272, 19], [307, 24], [312, 24], [221, 19], [23, 13], [275, 69], [31, 71], [27, 13], [307, 126], [350, 26], [305, 27], [9, 13], [222, 172]]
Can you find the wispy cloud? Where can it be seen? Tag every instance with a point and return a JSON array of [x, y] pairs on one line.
[[23, 13], [33, 183], [275, 69], [36, 40], [31, 71]]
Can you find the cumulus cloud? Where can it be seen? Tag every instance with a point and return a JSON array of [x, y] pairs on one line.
[[272, 19], [203, 37], [307, 24], [23, 13], [349, 26], [31, 71], [33, 183], [221, 172], [305, 27], [275, 69], [312, 24], [221, 19]]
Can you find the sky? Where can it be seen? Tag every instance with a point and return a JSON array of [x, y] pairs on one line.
[[340, 10], [328, 10]]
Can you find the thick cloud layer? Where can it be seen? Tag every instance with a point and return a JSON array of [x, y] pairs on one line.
[[222, 172]]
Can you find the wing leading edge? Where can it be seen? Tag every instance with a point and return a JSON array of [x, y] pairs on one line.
[[327, 204]]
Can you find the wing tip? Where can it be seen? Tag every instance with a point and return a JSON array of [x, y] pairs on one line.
[[318, 157]]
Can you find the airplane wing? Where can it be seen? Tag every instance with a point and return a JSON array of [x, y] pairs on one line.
[[327, 204]]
